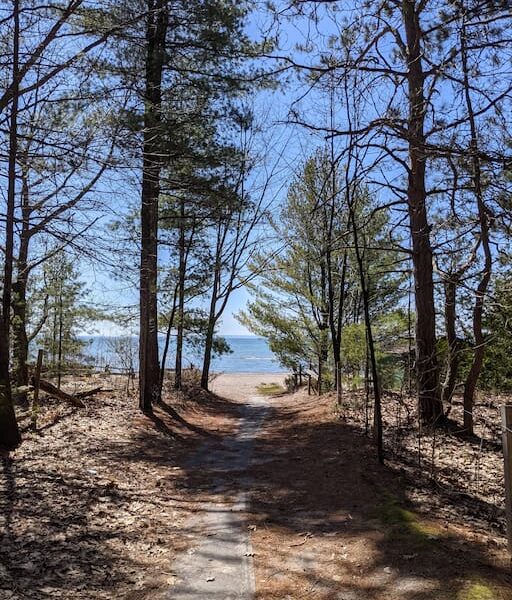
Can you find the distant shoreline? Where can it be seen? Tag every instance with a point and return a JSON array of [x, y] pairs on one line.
[[88, 336], [249, 373], [249, 354]]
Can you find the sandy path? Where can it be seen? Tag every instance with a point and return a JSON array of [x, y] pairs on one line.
[[219, 564], [240, 386]]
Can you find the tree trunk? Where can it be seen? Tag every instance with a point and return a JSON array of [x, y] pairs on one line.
[[59, 347], [167, 341], [452, 358], [181, 301], [19, 304], [19, 335], [212, 318], [52, 390], [335, 317], [323, 323], [205, 375], [323, 355], [365, 296], [54, 339], [216, 311], [149, 368], [335, 320], [430, 406], [339, 327], [9, 433], [319, 386], [483, 217]]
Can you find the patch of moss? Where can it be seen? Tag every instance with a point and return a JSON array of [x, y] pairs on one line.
[[477, 590], [405, 525], [270, 389]]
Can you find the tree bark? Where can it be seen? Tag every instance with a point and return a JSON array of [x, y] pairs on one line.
[[215, 312], [335, 317], [149, 368], [452, 358], [377, 408], [210, 331], [9, 432], [19, 304], [60, 344], [181, 300], [319, 386], [53, 390], [427, 371], [483, 217], [19, 335], [170, 325], [212, 315], [205, 374], [323, 326]]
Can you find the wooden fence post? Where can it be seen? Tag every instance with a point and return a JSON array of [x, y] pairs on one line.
[[506, 417], [35, 397]]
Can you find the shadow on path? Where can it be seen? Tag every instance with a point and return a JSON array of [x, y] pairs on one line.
[[218, 564], [326, 521], [330, 521]]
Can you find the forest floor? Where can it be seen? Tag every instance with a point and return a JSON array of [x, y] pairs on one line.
[[247, 489], [91, 505], [331, 523]]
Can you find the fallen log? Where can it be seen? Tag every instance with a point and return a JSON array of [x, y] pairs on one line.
[[87, 393], [54, 391]]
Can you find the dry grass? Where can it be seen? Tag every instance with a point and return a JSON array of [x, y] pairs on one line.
[[270, 389]]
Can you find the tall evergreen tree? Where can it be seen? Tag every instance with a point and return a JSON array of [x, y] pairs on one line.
[[291, 306]]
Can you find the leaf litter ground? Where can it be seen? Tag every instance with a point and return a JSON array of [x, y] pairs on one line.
[[96, 504]]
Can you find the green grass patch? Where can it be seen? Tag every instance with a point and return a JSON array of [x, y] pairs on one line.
[[478, 590], [405, 526], [270, 389]]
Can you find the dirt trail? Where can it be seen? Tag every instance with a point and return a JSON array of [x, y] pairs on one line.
[[239, 497], [218, 564], [294, 505]]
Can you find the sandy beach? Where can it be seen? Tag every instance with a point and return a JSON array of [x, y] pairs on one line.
[[241, 385]]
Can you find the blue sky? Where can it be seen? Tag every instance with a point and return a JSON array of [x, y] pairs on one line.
[[281, 144], [229, 325]]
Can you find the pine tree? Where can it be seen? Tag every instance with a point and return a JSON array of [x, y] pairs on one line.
[[291, 305], [67, 314]]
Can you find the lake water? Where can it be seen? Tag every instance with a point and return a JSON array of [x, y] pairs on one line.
[[250, 354]]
